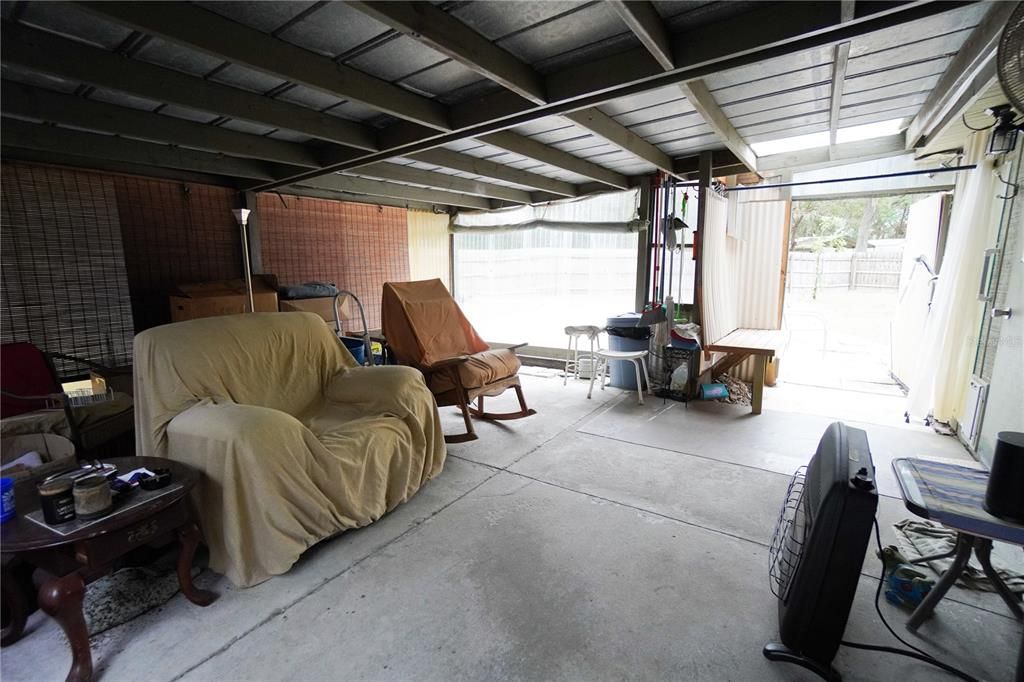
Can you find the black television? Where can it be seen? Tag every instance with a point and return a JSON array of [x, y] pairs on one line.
[[818, 548]]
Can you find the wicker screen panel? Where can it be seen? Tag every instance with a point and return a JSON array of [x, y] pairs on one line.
[[174, 233], [356, 246], [63, 265]]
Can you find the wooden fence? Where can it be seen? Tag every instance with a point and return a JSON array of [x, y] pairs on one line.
[[844, 270]]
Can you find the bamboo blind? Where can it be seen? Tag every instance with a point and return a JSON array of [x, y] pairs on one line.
[[63, 278]]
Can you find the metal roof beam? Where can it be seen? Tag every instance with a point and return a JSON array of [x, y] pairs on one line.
[[45, 138], [840, 61], [847, 152], [42, 51], [518, 144], [644, 21], [443, 32], [646, 24], [446, 158], [352, 197], [970, 68], [703, 101], [446, 34], [721, 159], [348, 183], [840, 64], [443, 181], [38, 104], [213, 34], [762, 33], [607, 128], [35, 156]]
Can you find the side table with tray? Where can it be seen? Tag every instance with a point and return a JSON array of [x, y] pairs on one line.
[[80, 551]]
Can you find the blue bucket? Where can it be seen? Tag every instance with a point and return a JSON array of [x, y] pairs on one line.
[[356, 348]]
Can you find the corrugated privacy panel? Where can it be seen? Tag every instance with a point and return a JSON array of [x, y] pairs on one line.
[[356, 246], [64, 283], [174, 233], [718, 308], [429, 252], [756, 259]]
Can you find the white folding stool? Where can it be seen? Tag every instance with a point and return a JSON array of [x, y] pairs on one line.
[[637, 357], [572, 356]]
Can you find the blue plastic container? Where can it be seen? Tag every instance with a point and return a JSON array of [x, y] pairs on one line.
[[622, 330], [713, 391], [6, 499], [356, 348]]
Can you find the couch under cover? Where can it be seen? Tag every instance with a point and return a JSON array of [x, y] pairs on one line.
[[296, 441]]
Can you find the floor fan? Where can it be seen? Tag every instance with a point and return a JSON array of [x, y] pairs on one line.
[[818, 548]]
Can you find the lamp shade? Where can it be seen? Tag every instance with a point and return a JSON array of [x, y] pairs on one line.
[[241, 215]]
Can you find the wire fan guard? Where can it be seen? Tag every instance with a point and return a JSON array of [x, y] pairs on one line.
[[789, 537], [1010, 58]]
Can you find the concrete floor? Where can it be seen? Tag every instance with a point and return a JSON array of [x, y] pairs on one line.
[[596, 540]]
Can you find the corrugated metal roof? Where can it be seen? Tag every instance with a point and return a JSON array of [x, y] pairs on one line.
[[888, 76], [71, 21]]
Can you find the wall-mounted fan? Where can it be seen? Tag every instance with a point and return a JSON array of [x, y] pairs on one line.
[[1010, 58]]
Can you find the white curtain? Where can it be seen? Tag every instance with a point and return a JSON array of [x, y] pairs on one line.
[[429, 253], [609, 212], [718, 308], [945, 358]]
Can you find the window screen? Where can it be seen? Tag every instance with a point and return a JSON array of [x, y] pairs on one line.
[[528, 286]]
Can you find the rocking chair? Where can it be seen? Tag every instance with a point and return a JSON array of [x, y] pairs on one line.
[[426, 329]]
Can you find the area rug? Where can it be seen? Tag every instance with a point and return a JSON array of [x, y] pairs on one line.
[[917, 539], [125, 595]]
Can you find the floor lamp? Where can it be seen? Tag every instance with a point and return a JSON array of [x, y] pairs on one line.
[[242, 216]]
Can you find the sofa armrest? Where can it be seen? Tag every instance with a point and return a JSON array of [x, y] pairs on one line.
[[232, 422], [392, 389]]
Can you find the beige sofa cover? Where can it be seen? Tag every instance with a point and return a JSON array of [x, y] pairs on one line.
[[295, 441]]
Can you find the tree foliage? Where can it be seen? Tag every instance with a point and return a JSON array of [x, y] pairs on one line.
[[836, 223]]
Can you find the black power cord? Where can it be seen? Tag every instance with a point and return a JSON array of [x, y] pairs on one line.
[[912, 651]]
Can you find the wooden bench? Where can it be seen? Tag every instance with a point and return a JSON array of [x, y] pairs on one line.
[[762, 344]]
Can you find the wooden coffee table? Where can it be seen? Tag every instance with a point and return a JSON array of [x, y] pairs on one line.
[[86, 554]]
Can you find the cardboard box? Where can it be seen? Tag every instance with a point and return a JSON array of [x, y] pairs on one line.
[[225, 297], [324, 307]]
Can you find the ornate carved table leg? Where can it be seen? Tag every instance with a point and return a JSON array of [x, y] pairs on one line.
[[61, 598], [188, 540]]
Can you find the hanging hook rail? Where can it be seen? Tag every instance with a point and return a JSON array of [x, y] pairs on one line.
[[1014, 185]]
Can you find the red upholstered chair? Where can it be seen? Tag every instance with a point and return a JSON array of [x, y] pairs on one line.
[[28, 380], [33, 401]]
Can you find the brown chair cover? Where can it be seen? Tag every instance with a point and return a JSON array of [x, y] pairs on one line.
[[424, 326]]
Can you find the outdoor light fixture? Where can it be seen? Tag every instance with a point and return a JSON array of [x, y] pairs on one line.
[[1003, 138], [242, 217]]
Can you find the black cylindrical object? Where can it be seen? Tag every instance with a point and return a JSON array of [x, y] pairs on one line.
[[57, 501], [1005, 494]]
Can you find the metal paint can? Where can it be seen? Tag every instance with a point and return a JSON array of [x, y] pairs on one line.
[[57, 501], [92, 497]]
